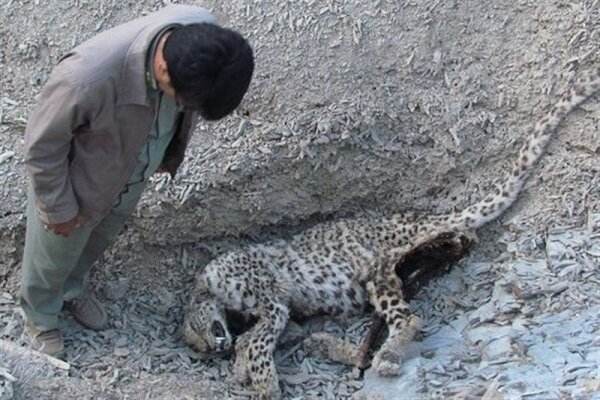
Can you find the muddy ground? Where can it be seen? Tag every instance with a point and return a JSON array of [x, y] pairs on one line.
[[356, 107]]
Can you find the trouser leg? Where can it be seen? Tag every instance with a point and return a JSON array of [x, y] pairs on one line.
[[56, 268], [48, 260], [103, 235]]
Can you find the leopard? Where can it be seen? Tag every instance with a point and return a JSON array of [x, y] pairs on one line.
[[340, 267]]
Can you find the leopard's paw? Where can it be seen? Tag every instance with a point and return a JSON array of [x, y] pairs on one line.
[[387, 363], [266, 384], [272, 393], [317, 344]]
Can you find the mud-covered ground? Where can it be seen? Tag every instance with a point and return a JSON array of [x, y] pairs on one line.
[[356, 107]]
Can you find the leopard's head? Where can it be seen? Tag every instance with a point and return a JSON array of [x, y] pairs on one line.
[[205, 326]]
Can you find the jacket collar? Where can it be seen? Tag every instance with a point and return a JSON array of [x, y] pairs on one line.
[[133, 88], [151, 53]]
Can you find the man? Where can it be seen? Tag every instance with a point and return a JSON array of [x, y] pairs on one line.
[[115, 109]]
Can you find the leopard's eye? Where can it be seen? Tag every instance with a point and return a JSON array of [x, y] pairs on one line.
[[217, 329]]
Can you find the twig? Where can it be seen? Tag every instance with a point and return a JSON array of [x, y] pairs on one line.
[[10, 348]]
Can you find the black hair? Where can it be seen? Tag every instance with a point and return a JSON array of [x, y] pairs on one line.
[[210, 68]]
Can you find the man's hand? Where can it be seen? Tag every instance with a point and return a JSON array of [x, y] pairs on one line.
[[64, 228]]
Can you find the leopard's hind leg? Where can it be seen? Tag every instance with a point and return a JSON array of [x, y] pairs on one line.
[[386, 295], [430, 254]]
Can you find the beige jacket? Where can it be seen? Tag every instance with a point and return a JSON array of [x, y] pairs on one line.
[[94, 114]]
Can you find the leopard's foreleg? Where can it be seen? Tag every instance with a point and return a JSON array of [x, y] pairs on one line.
[[336, 349], [344, 351], [254, 351]]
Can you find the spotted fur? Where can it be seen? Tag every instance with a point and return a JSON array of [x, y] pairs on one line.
[[337, 268]]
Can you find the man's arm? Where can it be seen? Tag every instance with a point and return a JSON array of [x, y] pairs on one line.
[[48, 140]]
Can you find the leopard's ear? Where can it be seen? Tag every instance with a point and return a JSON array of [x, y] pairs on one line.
[[189, 304], [201, 288], [196, 293], [201, 291]]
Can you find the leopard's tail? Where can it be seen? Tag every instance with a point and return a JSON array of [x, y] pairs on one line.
[[507, 189]]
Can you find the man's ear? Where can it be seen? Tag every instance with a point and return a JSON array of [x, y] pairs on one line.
[[162, 72]]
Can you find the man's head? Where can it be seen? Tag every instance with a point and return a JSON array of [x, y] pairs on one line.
[[209, 68]]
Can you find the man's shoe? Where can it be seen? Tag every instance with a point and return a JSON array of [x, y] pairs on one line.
[[47, 342], [88, 312]]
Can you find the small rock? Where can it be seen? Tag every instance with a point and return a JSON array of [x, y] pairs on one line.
[[7, 155], [116, 290], [121, 351], [498, 348]]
